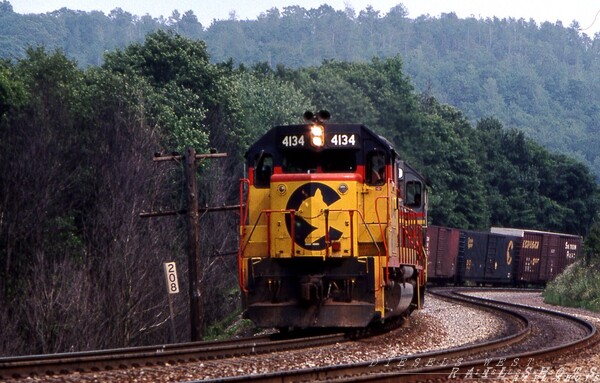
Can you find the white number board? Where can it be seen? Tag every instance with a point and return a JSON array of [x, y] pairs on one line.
[[342, 140], [291, 141], [171, 275]]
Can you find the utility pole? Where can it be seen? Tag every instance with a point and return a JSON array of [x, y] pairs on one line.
[[193, 243], [194, 270]]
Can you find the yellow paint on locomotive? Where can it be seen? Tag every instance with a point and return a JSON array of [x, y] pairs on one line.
[[374, 231], [267, 226], [325, 238], [379, 263], [369, 205], [254, 235], [313, 220]]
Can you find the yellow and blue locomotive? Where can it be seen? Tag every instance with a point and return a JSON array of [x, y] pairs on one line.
[[332, 228]]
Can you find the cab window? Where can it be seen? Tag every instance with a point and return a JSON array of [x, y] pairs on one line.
[[375, 172], [414, 194], [263, 171], [338, 161], [300, 161]]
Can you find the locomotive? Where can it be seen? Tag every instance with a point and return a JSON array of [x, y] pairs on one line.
[[500, 256], [332, 228]]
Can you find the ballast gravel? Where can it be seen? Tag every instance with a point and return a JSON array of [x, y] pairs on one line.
[[439, 325], [582, 365]]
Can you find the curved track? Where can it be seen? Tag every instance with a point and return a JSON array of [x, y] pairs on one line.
[[517, 349], [537, 334], [102, 360]]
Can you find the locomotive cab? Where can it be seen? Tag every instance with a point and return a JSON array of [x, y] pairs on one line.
[[326, 239]]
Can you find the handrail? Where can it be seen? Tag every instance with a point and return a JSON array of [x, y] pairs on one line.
[[243, 217], [384, 237], [350, 212], [326, 213], [410, 232], [267, 212], [362, 218]]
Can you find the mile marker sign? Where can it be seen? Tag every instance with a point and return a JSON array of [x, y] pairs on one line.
[[171, 275]]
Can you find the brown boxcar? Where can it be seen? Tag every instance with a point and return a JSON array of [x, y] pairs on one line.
[[442, 251], [543, 254]]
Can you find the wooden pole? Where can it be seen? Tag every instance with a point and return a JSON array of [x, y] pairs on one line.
[[193, 245], [196, 317]]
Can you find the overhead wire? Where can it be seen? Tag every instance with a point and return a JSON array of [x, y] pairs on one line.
[[593, 22]]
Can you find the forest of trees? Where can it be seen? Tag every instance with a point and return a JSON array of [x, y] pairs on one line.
[[81, 270], [542, 79]]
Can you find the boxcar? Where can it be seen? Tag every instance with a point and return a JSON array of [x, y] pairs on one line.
[[442, 252], [487, 258], [543, 254]]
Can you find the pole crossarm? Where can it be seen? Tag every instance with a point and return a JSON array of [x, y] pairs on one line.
[[178, 157], [164, 213]]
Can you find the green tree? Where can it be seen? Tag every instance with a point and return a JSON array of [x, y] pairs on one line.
[[184, 83], [189, 25], [40, 198], [531, 187], [591, 246], [447, 155], [264, 101], [12, 90]]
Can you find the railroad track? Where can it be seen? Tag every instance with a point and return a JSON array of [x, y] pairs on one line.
[[508, 354], [104, 360], [538, 334]]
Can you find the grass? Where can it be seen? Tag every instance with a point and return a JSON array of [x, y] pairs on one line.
[[231, 326], [577, 286]]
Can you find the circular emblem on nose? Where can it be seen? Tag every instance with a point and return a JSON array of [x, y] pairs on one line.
[[307, 199]]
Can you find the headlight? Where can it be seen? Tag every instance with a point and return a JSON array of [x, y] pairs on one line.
[[317, 136]]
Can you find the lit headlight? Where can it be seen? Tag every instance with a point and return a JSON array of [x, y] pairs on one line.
[[317, 136]]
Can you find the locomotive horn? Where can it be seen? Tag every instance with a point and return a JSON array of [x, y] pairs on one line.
[[323, 115]]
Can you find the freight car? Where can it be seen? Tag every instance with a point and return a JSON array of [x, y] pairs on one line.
[[543, 255], [332, 233], [502, 256]]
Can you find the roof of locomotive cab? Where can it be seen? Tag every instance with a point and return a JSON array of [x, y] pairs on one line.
[[268, 142]]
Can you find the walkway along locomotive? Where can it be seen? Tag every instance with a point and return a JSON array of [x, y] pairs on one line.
[[332, 230]]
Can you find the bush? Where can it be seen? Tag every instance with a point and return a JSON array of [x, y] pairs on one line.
[[577, 286]]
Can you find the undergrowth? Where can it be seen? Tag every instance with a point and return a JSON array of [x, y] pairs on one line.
[[577, 286], [231, 326]]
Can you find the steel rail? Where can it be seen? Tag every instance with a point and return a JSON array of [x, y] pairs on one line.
[[104, 360], [387, 368], [447, 364], [495, 366]]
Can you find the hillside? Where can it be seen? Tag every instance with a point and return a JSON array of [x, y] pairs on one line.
[[76, 170], [541, 79]]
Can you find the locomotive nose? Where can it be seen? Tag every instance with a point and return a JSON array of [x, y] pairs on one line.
[[313, 217]]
